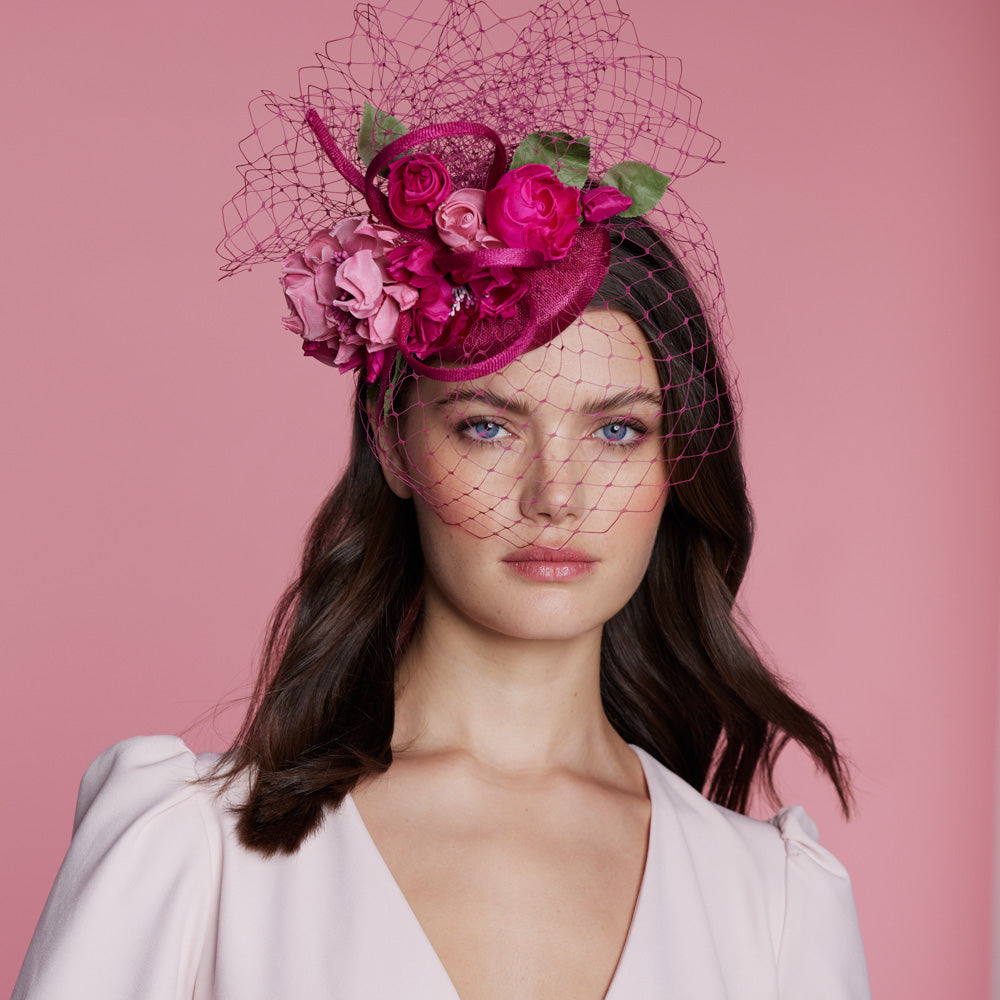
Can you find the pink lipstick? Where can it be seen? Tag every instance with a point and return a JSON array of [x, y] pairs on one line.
[[550, 565]]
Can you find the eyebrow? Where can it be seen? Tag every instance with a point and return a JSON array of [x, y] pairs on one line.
[[522, 406]]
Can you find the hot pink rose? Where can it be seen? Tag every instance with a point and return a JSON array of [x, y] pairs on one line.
[[531, 208], [603, 202], [417, 185], [460, 221]]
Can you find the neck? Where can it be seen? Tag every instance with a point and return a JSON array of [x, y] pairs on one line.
[[514, 705]]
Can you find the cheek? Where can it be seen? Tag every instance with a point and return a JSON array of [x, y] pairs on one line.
[[635, 533], [468, 486], [453, 556]]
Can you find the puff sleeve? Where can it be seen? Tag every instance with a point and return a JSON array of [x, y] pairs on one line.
[[130, 914], [820, 955]]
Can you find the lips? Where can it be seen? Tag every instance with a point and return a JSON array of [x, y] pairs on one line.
[[550, 565], [539, 553]]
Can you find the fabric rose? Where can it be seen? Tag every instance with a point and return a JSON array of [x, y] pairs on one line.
[[368, 293], [497, 291], [350, 354], [460, 221], [309, 299], [417, 185], [429, 328], [341, 295], [309, 278], [602, 202], [320, 350], [531, 208], [361, 232], [322, 248]]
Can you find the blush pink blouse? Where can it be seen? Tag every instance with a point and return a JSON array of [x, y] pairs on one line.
[[157, 900]]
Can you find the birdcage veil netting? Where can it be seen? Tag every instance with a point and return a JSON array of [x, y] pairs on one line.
[[533, 378]]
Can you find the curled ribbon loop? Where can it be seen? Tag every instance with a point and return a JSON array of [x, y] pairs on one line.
[[347, 170]]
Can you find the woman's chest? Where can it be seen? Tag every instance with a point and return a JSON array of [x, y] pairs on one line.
[[515, 912], [520, 905]]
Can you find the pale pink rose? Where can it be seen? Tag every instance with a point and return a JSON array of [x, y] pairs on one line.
[[379, 328], [372, 298], [359, 232], [460, 221], [406, 296], [325, 276], [360, 278], [322, 247], [343, 302], [308, 318]]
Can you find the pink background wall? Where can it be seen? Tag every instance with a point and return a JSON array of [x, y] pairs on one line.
[[164, 445]]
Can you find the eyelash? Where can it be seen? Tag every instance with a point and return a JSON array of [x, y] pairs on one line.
[[465, 428]]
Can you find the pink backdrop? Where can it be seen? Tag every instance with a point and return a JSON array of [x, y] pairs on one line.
[[165, 446]]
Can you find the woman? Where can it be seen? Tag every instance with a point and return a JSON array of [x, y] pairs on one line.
[[474, 760]]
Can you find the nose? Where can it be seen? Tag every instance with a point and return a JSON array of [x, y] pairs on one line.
[[552, 488]]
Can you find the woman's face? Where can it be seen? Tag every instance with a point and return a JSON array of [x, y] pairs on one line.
[[539, 489]]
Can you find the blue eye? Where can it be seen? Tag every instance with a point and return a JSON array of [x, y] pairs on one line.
[[484, 430], [618, 431]]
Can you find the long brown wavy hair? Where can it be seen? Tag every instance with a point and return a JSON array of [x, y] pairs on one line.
[[679, 677]]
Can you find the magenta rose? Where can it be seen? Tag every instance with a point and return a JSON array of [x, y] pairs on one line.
[[497, 291], [460, 221], [413, 265], [430, 326], [603, 202], [417, 185], [531, 208]]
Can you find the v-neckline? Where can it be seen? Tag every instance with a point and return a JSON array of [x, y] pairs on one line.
[[638, 910]]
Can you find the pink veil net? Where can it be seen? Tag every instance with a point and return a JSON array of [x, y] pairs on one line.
[[601, 382]]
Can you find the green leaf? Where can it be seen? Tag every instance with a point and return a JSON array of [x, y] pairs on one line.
[[569, 158], [398, 367], [644, 184], [378, 129]]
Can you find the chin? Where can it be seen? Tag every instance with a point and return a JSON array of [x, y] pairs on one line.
[[543, 618]]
